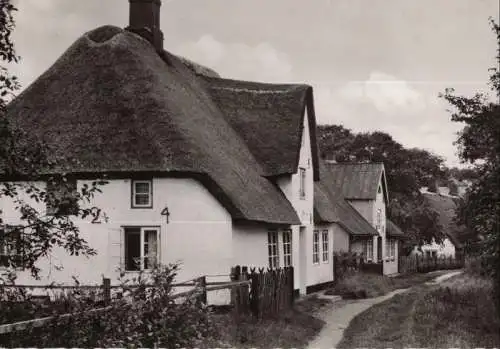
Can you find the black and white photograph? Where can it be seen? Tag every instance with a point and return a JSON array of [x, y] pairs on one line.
[[319, 174]]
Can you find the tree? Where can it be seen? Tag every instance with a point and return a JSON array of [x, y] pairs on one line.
[[479, 145], [407, 170], [24, 158]]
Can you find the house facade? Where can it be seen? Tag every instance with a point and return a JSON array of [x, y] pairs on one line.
[[364, 187], [203, 171]]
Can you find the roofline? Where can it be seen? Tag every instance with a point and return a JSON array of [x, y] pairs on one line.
[[308, 105], [386, 189], [203, 178]]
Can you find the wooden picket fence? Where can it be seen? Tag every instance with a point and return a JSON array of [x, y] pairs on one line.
[[269, 293], [424, 264]]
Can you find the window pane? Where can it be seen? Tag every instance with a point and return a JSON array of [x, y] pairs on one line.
[[142, 187], [150, 248], [142, 199], [132, 248]]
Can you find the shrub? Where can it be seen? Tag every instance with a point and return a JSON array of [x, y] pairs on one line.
[[145, 316]]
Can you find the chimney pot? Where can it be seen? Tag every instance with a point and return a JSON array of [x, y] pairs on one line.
[[144, 19]]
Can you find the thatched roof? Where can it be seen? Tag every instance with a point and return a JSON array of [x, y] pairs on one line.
[[112, 104], [393, 231], [358, 181], [331, 207], [270, 119], [198, 68], [445, 207]]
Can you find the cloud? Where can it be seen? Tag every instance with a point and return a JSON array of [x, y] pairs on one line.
[[261, 62], [387, 93], [413, 115]]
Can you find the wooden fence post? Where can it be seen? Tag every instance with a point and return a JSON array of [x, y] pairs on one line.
[[106, 286], [291, 280], [235, 276], [245, 299], [202, 283], [255, 293]]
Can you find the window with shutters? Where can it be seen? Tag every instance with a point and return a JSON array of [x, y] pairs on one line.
[[142, 194], [141, 248], [11, 247]]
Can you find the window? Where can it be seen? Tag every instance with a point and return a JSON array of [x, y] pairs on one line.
[[390, 248], [379, 220], [368, 249], [142, 194], [287, 248], [141, 248], [379, 189], [272, 247], [324, 240], [11, 248], [61, 197], [393, 249], [302, 183], [316, 247]]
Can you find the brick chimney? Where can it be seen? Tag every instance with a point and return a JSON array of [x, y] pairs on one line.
[[145, 20]]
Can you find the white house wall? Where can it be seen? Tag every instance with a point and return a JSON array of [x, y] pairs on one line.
[[198, 234], [290, 186], [322, 271], [340, 239], [445, 249]]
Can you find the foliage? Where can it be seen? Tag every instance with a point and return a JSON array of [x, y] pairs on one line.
[[479, 145], [22, 157], [407, 170], [145, 316]]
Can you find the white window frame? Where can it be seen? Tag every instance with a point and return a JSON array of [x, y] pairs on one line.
[[316, 247], [368, 250], [393, 248], [287, 248], [134, 194], [302, 183], [142, 232], [325, 244], [273, 249]]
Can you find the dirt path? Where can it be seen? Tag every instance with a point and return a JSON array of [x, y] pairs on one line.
[[337, 320]]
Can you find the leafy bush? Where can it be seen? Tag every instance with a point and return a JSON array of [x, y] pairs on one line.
[[146, 315]]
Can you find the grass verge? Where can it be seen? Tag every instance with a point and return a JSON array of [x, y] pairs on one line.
[[457, 313], [293, 329], [368, 285]]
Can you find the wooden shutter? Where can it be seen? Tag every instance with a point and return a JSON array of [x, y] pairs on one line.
[[116, 249]]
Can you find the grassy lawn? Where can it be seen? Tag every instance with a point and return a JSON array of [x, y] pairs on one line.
[[457, 313], [367, 285], [291, 330]]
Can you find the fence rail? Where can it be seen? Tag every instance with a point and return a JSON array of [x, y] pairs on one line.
[[199, 285]]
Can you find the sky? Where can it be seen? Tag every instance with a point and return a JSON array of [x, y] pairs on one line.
[[373, 64]]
